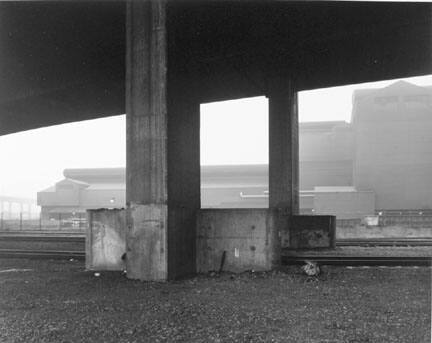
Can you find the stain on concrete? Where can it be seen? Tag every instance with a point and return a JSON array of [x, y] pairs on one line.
[[246, 235], [105, 240], [146, 242]]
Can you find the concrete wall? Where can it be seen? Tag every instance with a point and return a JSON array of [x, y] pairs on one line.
[[247, 236], [105, 239], [311, 232]]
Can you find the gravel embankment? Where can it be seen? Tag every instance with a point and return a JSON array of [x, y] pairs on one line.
[[57, 301]]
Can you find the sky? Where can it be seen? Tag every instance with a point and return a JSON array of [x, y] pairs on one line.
[[232, 132]]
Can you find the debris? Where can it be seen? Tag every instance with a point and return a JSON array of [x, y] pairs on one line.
[[222, 261], [311, 268], [13, 270]]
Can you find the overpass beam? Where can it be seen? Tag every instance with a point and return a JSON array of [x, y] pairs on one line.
[[162, 161]]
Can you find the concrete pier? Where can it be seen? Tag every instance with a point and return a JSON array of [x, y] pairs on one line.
[[283, 159], [163, 162], [146, 159], [283, 148]]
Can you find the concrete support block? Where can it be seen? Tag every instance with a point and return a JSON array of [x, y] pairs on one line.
[[247, 236], [146, 256], [311, 232], [105, 239]]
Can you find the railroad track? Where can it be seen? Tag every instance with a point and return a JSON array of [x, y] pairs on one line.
[[42, 254], [328, 259], [385, 242], [359, 260], [287, 260], [70, 237], [42, 238]]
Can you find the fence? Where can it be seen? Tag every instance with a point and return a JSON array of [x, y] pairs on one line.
[[79, 222], [412, 221], [21, 223]]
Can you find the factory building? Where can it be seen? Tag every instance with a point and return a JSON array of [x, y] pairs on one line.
[[393, 145], [381, 161]]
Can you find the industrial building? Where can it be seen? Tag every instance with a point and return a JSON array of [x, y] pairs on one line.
[[382, 161]]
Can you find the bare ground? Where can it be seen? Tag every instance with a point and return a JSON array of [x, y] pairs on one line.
[[57, 301]]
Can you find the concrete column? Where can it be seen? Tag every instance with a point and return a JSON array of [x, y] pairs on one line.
[[146, 158], [162, 163], [184, 200], [283, 149], [283, 161]]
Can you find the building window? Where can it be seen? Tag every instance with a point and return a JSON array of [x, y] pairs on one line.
[[423, 99], [386, 100], [64, 187]]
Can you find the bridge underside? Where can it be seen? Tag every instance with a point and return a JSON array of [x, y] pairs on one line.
[[157, 62], [65, 61]]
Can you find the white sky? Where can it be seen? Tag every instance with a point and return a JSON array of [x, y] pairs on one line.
[[232, 132]]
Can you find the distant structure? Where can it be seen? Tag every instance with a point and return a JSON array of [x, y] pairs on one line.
[[16, 207], [326, 154], [381, 161], [83, 189], [392, 131]]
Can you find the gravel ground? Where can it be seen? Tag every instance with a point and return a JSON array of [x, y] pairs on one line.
[[57, 301]]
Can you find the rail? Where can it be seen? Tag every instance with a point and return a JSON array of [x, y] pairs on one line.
[[359, 260], [80, 238], [42, 254]]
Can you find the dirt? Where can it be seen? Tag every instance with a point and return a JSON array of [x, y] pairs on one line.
[[57, 301]]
